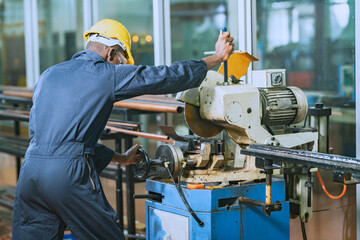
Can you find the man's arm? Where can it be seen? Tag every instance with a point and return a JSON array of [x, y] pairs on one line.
[[223, 49], [131, 81], [103, 156]]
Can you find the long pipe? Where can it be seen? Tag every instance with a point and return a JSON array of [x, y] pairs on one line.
[[157, 98], [123, 124], [151, 98], [153, 107], [156, 137], [18, 94], [13, 114]]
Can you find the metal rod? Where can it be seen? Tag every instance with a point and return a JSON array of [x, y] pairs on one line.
[[6, 204], [18, 159], [225, 72], [156, 137], [119, 197], [268, 189], [165, 106], [251, 201], [136, 126], [18, 116], [156, 196], [152, 107], [307, 158], [157, 98], [133, 236], [18, 94], [130, 203], [119, 187], [268, 171]]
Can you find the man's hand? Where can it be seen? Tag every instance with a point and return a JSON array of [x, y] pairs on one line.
[[224, 47], [130, 157]]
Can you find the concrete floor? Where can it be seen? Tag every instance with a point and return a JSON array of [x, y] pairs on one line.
[[8, 178]]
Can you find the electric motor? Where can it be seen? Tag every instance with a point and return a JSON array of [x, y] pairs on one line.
[[282, 105]]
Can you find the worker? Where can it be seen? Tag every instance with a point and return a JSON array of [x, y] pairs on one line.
[[59, 183]]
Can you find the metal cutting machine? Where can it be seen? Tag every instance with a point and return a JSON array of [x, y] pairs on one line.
[[220, 192]]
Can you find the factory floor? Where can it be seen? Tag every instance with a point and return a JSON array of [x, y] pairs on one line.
[[8, 181]]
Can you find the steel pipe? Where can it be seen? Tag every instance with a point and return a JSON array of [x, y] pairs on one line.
[[156, 137], [18, 94], [152, 107], [13, 114], [167, 105], [307, 158], [121, 124], [157, 98]]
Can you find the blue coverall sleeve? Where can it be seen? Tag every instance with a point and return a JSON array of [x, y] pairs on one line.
[[131, 81], [103, 156]]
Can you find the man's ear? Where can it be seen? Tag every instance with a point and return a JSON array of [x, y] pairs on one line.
[[110, 55]]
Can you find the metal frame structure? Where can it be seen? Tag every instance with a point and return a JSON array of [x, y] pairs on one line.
[[31, 42], [162, 32], [90, 14], [247, 30]]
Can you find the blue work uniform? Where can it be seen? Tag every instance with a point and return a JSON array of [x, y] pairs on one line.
[[59, 184]]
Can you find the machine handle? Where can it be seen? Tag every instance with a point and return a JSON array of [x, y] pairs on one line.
[[224, 29], [141, 170]]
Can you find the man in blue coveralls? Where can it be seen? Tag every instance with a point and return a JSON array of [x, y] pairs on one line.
[[59, 180]]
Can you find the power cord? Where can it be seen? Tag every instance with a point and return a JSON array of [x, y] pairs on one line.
[[303, 230], [181, 194]]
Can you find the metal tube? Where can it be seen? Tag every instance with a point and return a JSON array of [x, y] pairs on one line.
[[152, 107], [156, 137], [119, 197], [251, 201], [18, 94], [307, 158], [130, 203], [11, 114], [122, 124], [6, 204], [157, 98], [225, 73], [268, 189]]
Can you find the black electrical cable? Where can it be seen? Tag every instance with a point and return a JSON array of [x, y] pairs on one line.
[[303, 230], [178, 188]]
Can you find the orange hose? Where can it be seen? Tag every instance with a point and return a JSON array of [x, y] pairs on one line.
[[326, 192]]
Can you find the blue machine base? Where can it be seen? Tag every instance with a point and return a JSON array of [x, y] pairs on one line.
[[223, 216]]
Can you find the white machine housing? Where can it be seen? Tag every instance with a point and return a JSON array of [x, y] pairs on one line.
[[239, 108]]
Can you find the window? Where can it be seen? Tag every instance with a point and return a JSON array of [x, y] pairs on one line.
[[60, 31], [12, 43], [195, 26], [315, 42]]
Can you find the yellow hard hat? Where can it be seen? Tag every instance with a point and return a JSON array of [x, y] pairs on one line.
[[113, 29]]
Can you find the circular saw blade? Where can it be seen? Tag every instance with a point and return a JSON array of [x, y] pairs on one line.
[[199, 126]]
